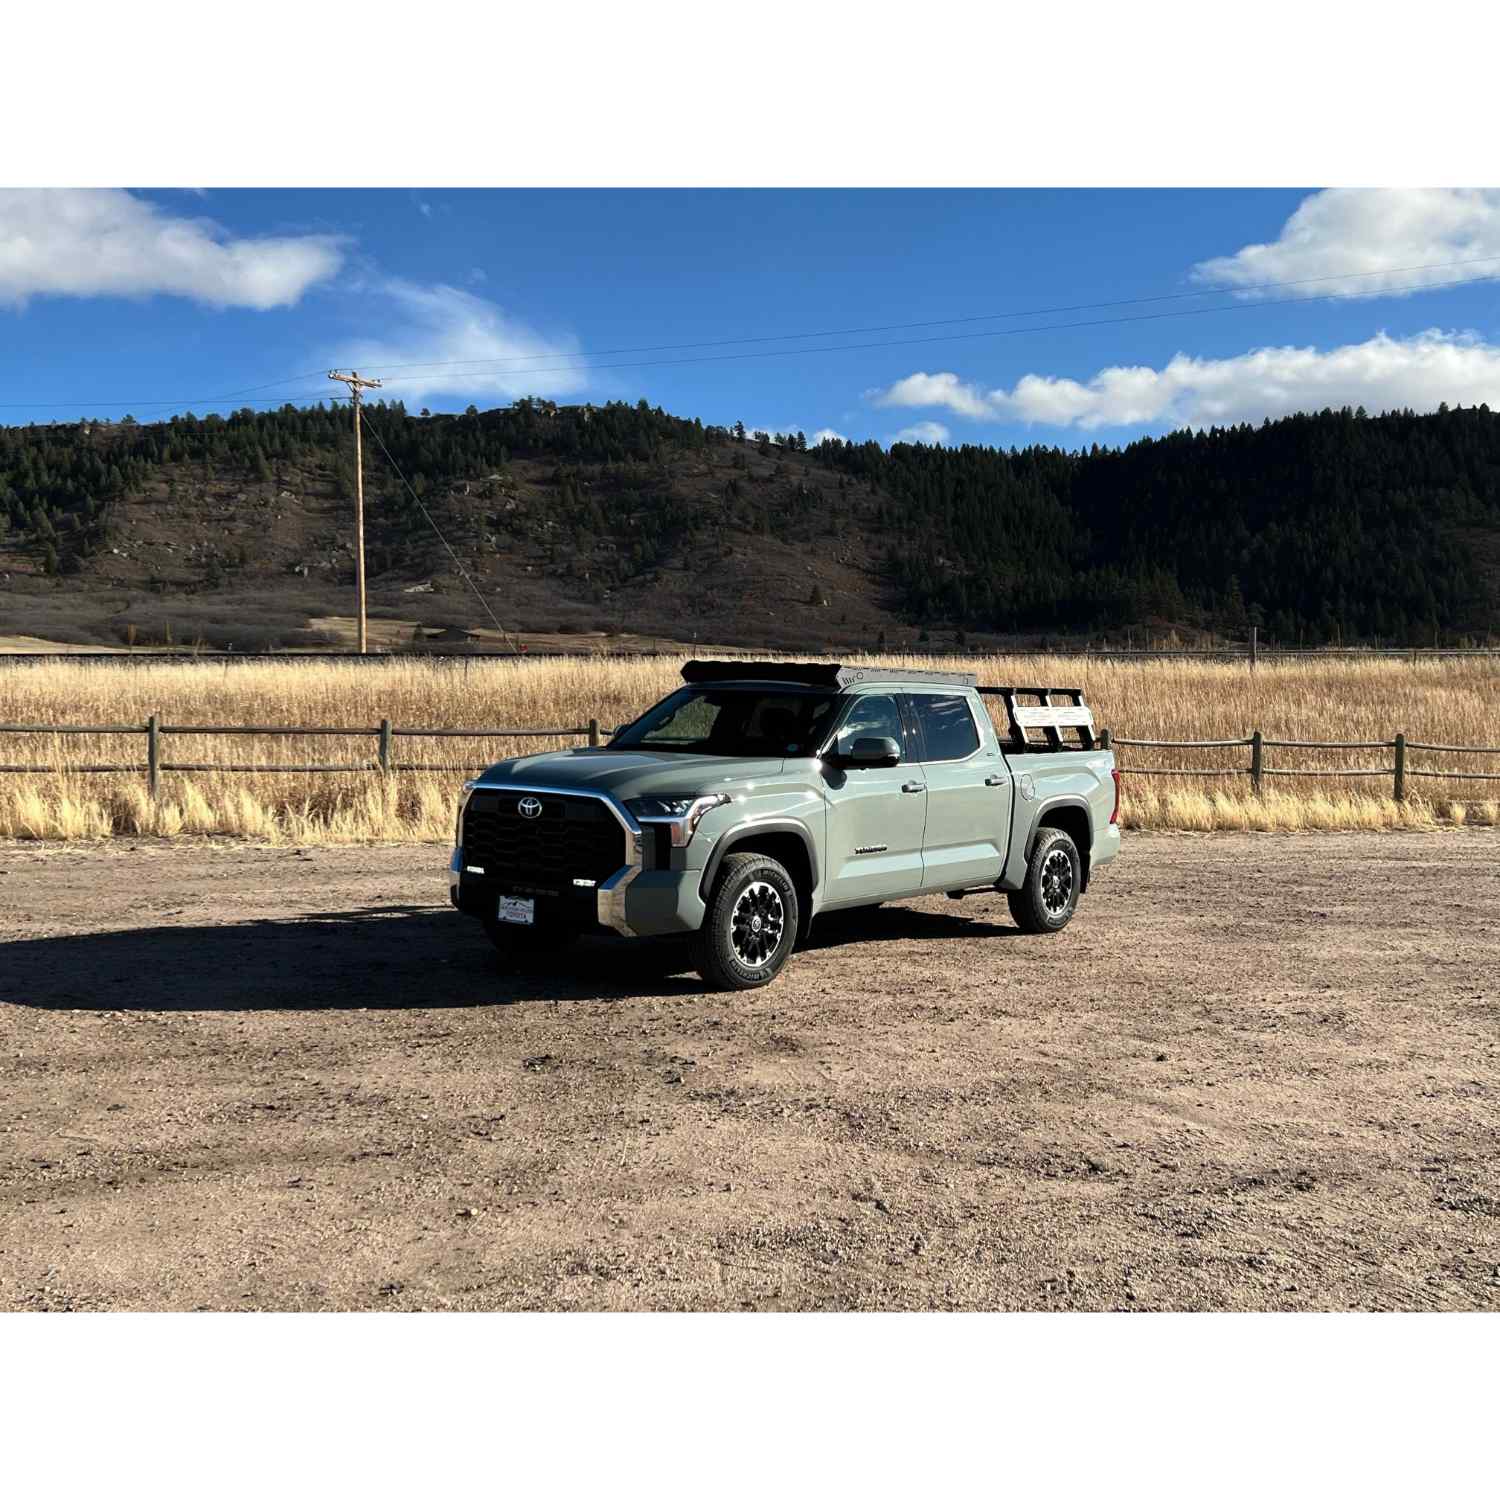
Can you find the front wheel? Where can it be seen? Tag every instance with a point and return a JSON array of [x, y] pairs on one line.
[[1049, 897], [750, 925]]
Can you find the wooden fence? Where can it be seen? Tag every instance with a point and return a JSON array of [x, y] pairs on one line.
[[1258, 744], [385, 735]]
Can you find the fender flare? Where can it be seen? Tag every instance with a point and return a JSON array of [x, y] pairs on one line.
[[726, 841], [1020, 850]]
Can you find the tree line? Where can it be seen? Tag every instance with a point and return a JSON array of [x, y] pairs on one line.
[[1324, 526]]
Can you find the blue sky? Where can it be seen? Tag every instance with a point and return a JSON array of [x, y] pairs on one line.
[[113, 301]]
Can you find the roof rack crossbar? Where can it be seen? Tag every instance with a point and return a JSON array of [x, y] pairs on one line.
[[815, 673]]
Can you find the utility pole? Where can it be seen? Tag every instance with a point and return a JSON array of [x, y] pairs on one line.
[[356, 385]]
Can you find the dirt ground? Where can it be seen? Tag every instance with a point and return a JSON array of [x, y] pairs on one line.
[[1258, 1071]]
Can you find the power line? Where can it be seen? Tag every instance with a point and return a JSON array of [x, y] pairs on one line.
[[290, 398], [463, 571], [944, 338], [477, 366], [1038, 312], [250, 390]]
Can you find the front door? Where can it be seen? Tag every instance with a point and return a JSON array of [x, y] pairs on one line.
[[968, 793], [875, 815]]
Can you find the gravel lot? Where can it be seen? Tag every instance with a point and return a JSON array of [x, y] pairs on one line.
[[1258, 1071]]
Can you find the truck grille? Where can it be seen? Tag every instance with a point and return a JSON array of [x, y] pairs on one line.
[[572, 838]]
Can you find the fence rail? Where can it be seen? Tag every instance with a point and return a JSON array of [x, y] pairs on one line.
[[1257, 770], [385, 734]]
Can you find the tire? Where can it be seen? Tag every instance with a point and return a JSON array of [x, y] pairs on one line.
[[1049, 897], [518, 944], [750, 926]]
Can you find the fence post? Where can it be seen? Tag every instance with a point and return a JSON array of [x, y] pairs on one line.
[[594, 733], [1104, 739], [385, 745], [1400, 768], [153, 756], [1254, 632], [1255, 760]]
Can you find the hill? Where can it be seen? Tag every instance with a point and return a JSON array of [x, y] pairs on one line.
[[624, 519]]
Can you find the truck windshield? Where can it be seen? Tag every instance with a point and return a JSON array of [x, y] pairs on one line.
[[733, 721]]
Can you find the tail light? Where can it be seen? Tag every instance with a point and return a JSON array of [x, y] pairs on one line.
[[1114, 816]]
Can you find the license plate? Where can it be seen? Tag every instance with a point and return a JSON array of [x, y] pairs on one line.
[[520, 909]]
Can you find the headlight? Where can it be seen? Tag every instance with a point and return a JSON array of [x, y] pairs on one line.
[[681, 814], [458, 821]]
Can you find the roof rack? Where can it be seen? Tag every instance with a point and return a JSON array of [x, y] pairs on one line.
[[1050, 718], [815, 673]]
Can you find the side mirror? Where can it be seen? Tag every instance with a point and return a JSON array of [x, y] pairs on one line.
[[872, 752]]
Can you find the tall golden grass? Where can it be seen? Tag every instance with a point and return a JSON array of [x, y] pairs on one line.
[[1448, 702]]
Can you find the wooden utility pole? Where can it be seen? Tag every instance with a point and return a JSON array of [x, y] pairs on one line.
[[356, 385]]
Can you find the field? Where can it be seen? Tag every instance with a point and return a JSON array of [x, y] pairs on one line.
[[1252, 1074], [1448, 702]]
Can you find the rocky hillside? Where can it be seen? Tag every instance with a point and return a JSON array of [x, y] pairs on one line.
[[623, 520]]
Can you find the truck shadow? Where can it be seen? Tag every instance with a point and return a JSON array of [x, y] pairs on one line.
[[897, 924], [377, 958], [374, 958]]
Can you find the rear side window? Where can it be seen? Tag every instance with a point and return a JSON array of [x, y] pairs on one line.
[[947, 726]]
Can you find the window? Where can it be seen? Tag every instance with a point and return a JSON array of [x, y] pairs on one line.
[[947, 726], [732, 721], [873, 716]]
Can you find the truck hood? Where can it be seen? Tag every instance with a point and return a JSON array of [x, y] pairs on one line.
[[632, 773]]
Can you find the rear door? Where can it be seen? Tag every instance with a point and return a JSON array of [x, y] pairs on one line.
[[875, 816], [968, 791]]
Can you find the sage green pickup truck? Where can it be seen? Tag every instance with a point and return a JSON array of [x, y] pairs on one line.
[[762, 794]]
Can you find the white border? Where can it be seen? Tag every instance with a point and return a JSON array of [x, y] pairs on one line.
[[1030, 1404], [668, 92]]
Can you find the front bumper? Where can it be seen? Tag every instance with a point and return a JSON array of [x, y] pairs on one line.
[[635, 902]]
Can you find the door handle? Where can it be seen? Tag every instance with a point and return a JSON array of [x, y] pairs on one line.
[[994, 781], [913, 786]]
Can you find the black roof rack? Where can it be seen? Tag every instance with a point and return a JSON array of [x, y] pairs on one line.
[[815, 673]]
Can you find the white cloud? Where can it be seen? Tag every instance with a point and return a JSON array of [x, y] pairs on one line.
[[1379, 374], [826, 435], [1373, 234], [441, 341], [923, 389], [922, 432], [104, 242]]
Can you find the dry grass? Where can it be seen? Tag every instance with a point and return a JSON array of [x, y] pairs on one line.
[[1449, 702]]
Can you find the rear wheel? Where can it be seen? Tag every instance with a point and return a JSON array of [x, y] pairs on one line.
[[1049, 897], [750, 925]]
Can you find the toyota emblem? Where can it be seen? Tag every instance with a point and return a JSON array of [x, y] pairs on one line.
[[529, 807]]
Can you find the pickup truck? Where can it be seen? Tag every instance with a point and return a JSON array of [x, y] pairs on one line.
[[761, 794]]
